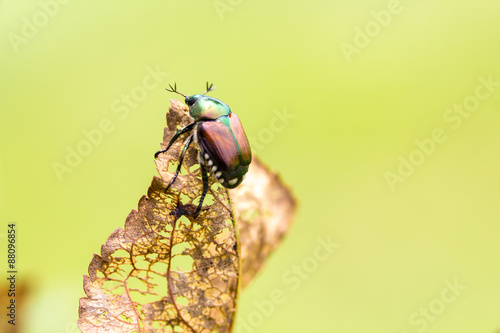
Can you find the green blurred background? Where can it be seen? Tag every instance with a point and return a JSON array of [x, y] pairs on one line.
[[334, 95]]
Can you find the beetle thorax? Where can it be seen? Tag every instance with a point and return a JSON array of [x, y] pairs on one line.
[[208, 108]]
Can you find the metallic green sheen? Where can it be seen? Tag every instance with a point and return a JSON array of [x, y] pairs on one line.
[[206, 108]]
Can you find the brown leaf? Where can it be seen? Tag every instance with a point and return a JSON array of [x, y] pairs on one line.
[[264, 209], [165, 271], [168, 271]]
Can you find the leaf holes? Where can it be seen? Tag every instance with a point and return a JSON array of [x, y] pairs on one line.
[[181, 300], [179, 248], [182, 263]]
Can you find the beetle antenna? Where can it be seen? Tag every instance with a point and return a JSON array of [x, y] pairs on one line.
[[209, 88], [174, 89]]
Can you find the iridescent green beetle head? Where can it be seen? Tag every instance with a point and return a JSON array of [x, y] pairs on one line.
[[190, 100], [202, 107]]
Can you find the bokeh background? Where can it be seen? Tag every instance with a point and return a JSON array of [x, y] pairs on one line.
[[382, 116]]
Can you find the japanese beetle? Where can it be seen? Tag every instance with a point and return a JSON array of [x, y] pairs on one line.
[[223, 146]]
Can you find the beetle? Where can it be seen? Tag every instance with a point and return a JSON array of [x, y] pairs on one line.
[[223, 147]]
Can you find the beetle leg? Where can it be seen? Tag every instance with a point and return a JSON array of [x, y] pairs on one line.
[[175, 137], [181, 159], [204, 176]]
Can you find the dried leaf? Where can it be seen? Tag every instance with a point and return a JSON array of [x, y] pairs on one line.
[[168, 271], [165, 271], [264, 209]]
